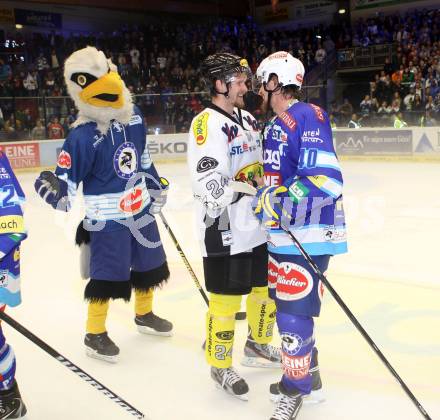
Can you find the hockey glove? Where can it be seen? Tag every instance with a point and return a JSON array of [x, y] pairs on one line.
[[268, 205], [159, 196], [52, 190]]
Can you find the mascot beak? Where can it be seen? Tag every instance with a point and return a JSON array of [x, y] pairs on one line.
[[104, 92]]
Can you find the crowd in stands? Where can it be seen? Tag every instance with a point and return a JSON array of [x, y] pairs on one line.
[[408, 87], [158, 61]]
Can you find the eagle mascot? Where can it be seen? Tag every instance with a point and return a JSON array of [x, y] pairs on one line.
[[107, 152]]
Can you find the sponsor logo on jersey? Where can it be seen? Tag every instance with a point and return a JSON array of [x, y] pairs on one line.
[[4, 173], [296, 367], [278, 133], [238, 150], [251, 122], [320, 290], [318, 112], [225, 335], [17, 254], [135, 119], [64, 160], [297, 191], [312, 136], [206, 163], [272, 179], [288, 120], [231, 132], [294, 282], [132, 202], [272, 158], [125, 160], [200, 128], [4, 278], [272, 273], [98, 140], [291, 343], [249, 172]]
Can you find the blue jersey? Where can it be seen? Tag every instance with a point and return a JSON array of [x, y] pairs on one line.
[[12, 232], [115, 169], [299, 154]]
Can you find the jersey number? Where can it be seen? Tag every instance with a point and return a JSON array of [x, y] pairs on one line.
[[6, 201], [214, 187], [307, 158]]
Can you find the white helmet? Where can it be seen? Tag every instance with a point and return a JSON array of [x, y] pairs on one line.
[[290, 70]]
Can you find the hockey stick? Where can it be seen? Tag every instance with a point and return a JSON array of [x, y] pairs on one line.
[[238, 315], [356, 322], [71, 366]]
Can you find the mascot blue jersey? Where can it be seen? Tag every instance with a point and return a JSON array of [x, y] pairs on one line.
[[115, 169], [299, 154]]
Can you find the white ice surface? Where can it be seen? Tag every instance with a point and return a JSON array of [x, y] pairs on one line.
[[389, 279]]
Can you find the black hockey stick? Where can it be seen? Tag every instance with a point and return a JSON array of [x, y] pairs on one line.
[[356, 323], [238, 315], [71, 366]]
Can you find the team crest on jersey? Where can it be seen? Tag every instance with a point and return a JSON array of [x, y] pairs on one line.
[[200, 128], [125, 160], [64, 160]]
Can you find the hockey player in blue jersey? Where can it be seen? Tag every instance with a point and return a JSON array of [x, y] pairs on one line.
[[302, 193], [107, 152], [12, 232]]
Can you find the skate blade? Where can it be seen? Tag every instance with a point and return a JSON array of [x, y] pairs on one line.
[[243, 397], [259, 362], [315, 397], [147, 330], [95, 355]]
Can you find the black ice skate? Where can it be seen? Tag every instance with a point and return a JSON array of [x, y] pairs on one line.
[[100, 346], [315, 397], [261, 355], [231, 382], [152, 324], [11, 404], [288, 407]]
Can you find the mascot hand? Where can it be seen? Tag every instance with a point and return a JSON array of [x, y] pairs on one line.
[[159, 196], [52, 190], [268, 205]]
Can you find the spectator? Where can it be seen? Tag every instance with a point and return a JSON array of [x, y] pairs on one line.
[[12, 127], [398, 121], [30, 83], [5, 71], [55, 129], [354, 122], [320, 54], [38, 132]]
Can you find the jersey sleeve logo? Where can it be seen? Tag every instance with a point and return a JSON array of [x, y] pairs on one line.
[[200, 128], [64, 160], [206, 163], [288, 120], [318, 112]]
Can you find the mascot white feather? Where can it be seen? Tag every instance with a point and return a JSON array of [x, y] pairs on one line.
[[107, 152]]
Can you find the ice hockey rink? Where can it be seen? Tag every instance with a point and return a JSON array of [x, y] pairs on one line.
[[389, 279]]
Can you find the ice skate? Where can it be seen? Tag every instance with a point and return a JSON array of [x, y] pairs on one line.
[[288, 407], [100, 346], [11, 404], [152, 324], [231, 382], [261, 355]]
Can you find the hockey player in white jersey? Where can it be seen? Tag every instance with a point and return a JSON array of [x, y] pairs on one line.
[[224, 156]]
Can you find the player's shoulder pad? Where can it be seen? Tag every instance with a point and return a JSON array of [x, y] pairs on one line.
[[199, 126], [288, 120]]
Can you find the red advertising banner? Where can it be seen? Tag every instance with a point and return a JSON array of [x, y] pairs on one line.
[[22, 155]]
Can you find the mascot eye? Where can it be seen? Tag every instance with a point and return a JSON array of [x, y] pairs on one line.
[[82, 80]]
